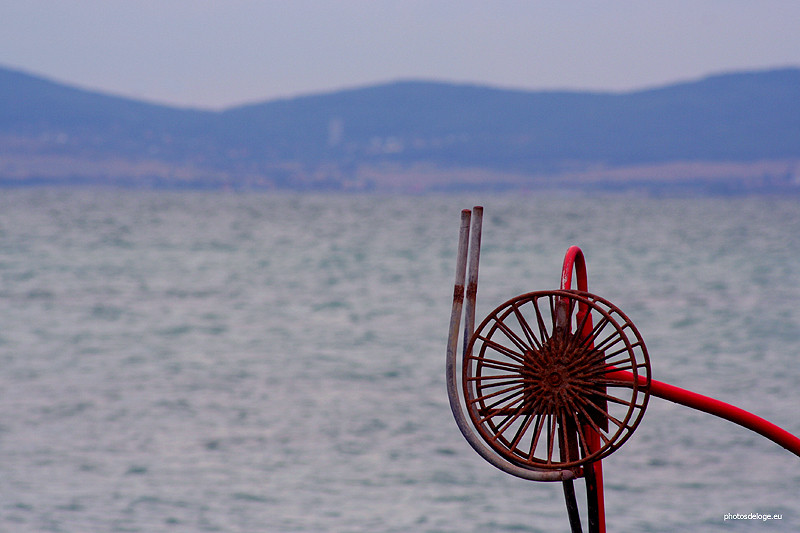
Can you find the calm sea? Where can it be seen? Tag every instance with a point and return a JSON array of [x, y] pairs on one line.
[[191, 362]]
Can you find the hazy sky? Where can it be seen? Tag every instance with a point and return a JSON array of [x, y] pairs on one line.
[[218, 53]]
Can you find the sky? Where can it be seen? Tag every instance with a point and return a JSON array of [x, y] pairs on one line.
[[215, 54]]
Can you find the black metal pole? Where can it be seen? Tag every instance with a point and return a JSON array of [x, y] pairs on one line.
[[572, 507], [591, 498]]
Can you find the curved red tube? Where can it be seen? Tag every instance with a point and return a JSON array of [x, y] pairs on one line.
[[717, 408], [574, 257], [574, 260]]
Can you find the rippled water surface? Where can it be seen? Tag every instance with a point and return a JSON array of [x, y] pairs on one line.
[[244, 363]]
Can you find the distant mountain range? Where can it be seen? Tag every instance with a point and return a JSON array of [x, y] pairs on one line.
[[729, 133]]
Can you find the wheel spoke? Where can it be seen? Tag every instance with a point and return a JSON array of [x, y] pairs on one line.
[[551, 437], [523, 428], [503, 350], [526, 328], [536, 435], [513, 337], [544, 337], [497, 393], [497, 365]]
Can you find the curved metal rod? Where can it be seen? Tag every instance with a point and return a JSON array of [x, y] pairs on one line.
[[452, 380], [715, 407]]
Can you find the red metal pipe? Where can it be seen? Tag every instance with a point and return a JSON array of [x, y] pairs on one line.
[[574, 260], [574, 257], [717, 408]]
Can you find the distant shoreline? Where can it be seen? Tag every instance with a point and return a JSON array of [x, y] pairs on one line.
[[682, 177]]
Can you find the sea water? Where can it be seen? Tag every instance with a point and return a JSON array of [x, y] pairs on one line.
[[207, 361]]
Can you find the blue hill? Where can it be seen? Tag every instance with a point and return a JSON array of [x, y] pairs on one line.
[[323, 140]]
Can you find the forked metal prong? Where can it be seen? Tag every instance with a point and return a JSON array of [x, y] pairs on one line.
[[471, 250], [472, 280], [458, 289]]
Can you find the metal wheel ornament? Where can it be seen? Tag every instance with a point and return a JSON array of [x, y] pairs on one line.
[[542, 379]]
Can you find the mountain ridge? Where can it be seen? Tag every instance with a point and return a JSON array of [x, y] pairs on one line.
[[397, 135]]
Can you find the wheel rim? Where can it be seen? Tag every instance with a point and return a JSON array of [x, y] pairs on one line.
[[538, 383]]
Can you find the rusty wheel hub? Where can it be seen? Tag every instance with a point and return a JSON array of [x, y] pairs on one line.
[[539, 379]]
